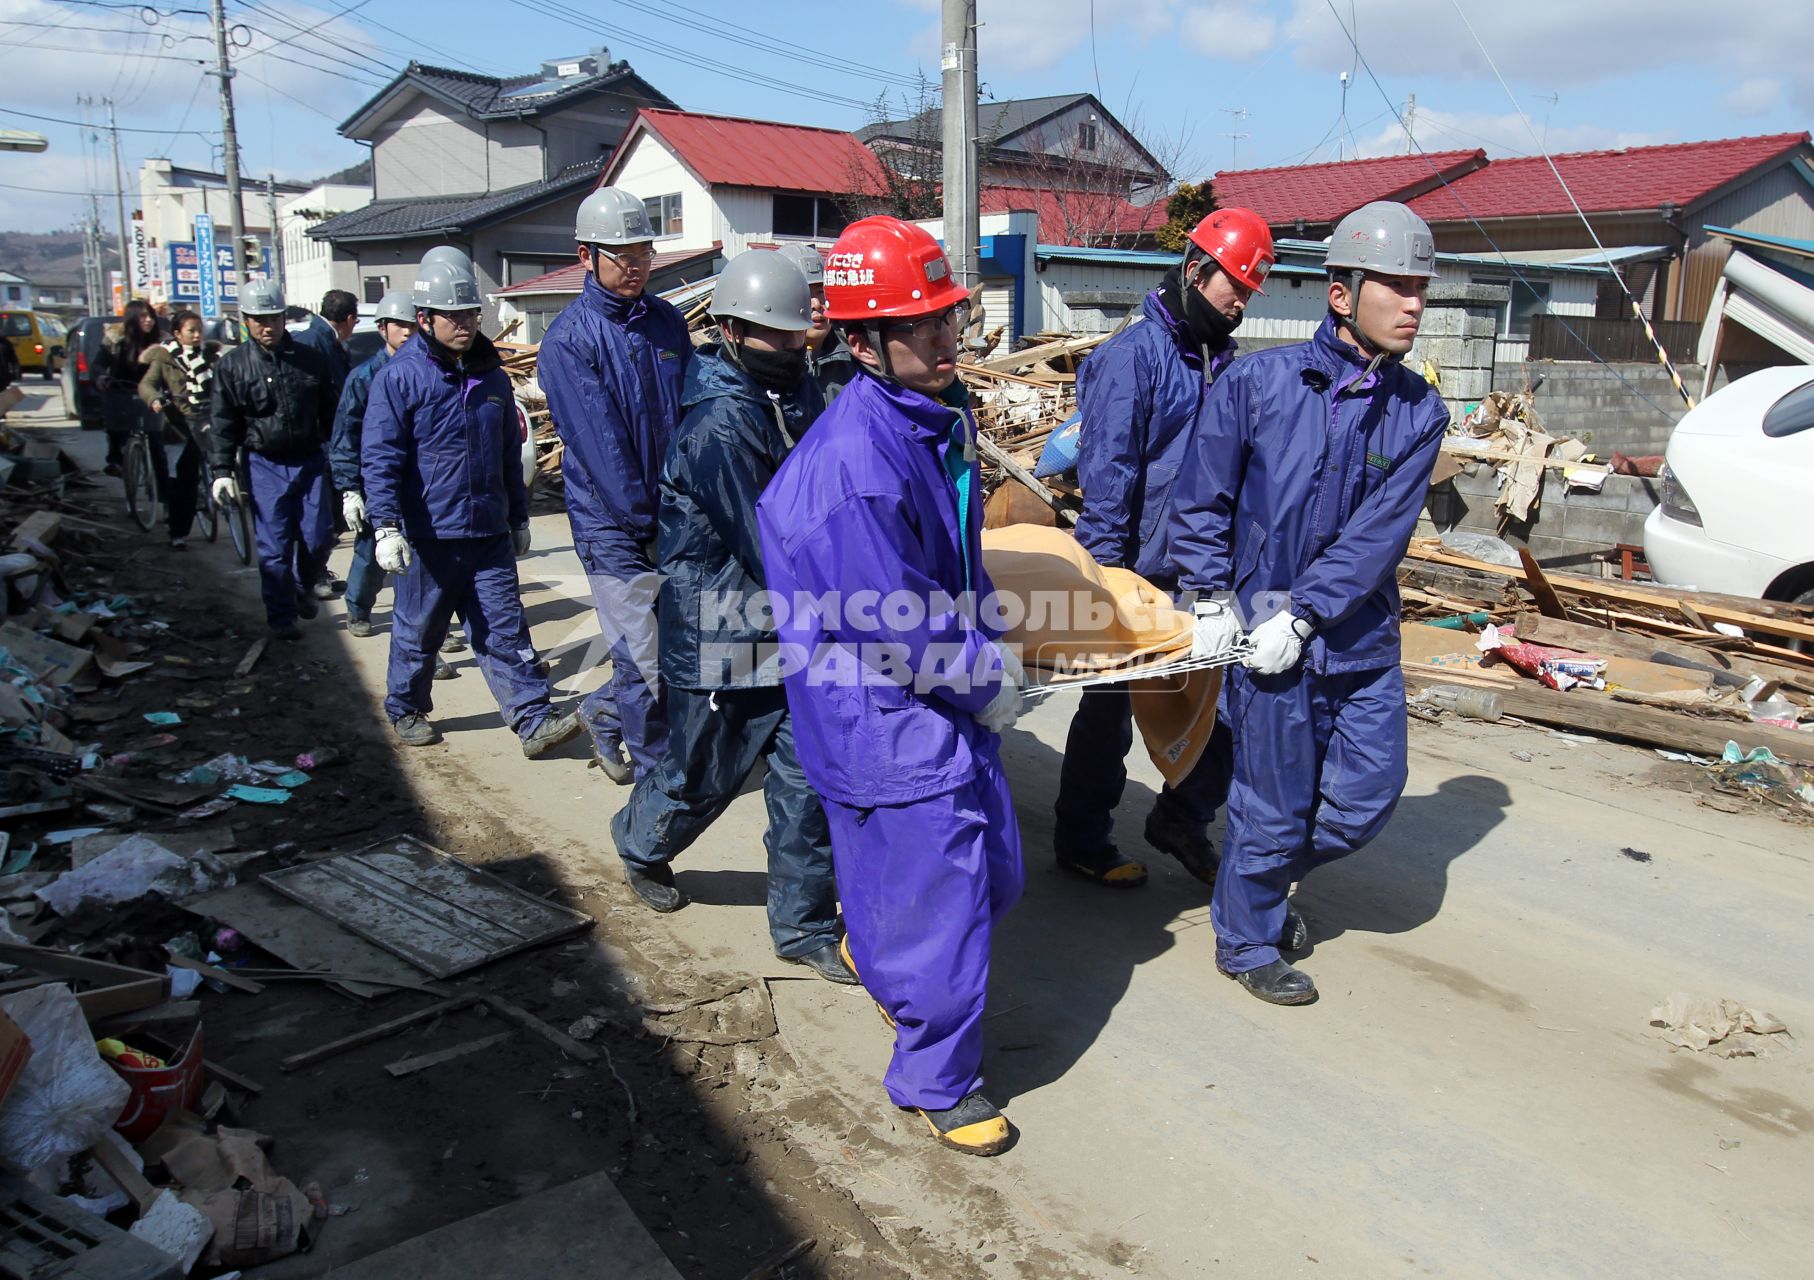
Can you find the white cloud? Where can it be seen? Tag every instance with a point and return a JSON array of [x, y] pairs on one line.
[[1018, 36], [1558, 42], [1501, 135], [1233, 31], [1753, 97]]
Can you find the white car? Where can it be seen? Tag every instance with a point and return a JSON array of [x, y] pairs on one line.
[[1738, 489]]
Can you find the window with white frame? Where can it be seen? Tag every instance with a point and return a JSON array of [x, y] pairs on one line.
[[1086, 135], [664, 214]]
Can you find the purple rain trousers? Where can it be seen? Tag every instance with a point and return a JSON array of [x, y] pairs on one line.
[[922, 886]]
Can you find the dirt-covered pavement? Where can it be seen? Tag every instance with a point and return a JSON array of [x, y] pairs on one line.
[[1477, 1093]]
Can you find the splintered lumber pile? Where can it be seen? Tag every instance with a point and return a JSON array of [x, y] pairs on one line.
[[1675, 675], [518, 359], [1021, 398]]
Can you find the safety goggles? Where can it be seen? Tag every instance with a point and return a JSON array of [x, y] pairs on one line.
[[628, 259], [953, 319]]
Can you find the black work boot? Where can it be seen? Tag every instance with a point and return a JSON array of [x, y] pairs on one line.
[[444, 669], [828, 963], [455, 643], [288, 631], [1185, 839], [550, 734], [414, 730], [1107, 866], [1277, 983], [307, 606], [1296, 934], [328, 588], [357, 625], [655, 886], [614, 762]]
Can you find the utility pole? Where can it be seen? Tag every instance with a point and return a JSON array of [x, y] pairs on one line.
[[93, 266], [119, 197], [276, 232], [236, 211], [1410, 123], [958, 61]]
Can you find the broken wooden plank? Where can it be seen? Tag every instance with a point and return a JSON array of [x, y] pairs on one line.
[[253, 654], [320, 1052], [1548, 603], [40, 527], [115, 1164], [529, 1022], [245, 1083], [1597, 714], [1632, 644], [993, 452], [1482, 453], [422, 1062], [217, 973]]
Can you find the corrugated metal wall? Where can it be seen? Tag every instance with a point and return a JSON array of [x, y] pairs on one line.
[[1779, 203]]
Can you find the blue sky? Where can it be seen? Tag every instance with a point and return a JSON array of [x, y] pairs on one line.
[[1588, 73]]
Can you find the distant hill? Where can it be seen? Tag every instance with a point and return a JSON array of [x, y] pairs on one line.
[[354, 175], [48, 255]]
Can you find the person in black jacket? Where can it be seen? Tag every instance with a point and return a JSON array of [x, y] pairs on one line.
[[747, 402], [275, 398]]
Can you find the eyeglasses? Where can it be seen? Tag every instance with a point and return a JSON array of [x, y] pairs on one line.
[[464, 319], [628, 257], [956, 319]]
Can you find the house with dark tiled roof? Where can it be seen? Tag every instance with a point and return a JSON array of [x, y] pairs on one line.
[[497, 166]]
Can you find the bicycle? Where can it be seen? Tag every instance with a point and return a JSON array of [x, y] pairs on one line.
[[141, 481], [238, 514]]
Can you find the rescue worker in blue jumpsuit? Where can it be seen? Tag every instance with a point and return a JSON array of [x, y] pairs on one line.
[[612, 365], [828, 356], [1140, 395], [274, 398], [441, 465], [396, 317], [1304, 485], [871, 537], [748, 400]]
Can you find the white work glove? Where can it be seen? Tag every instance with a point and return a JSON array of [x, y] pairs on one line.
[[352, 506], [519, 540], [1278, 643], [393, 550], [1004, 708], [1216, 630], [225, 491]]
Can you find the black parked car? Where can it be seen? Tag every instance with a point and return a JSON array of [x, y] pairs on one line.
[[82, 348]]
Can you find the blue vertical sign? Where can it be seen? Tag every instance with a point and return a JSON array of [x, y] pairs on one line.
[[204, 256]]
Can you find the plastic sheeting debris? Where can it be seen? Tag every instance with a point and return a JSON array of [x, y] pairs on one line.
[[67, 1098], [130, 871], [1728, 1027]]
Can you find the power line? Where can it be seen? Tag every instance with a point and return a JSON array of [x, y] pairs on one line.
[[83, 124], [378, 65], [748, 36], [283, 93]]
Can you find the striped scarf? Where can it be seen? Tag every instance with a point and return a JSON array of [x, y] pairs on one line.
[[198, 374]]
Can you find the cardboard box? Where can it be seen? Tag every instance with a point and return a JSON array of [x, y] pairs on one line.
[[15, 1052], [49, 660], [102, 989]]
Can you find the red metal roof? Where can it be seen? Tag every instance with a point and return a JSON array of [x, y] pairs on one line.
[[572, 277], [1072, 217], [733, 152], [1319, 193], [1604, 181]]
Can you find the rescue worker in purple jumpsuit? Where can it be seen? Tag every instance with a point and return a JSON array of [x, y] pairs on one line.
[[441, 464], [871, 537], [749, 399], [275, 398], [1140, 395], [612, 366], [1306, 480]]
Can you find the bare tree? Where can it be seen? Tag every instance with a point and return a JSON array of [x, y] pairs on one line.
[[907, 135], [1096, 178]]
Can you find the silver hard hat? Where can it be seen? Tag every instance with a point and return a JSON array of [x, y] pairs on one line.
[[450, 254], [396, 305], [612, 216], [261, 298], [442, 286], [1386, 238], [808, 259], [765, 288]]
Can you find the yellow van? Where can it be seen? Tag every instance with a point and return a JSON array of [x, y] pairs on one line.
[[37, 340]]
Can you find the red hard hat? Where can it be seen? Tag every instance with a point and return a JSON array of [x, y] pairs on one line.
[[1240, 242], [885, 267]]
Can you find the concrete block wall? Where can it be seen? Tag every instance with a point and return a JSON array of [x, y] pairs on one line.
[[1606, 405], [1459, 324], [1568, 528]]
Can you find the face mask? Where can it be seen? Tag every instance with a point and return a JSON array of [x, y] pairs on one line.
[[1207, 325], [776, 371]]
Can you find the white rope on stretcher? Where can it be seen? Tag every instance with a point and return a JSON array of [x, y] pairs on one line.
[[1157, 671]]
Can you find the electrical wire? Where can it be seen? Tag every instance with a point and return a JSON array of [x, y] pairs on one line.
[[83, 124], [1481, 227], [378, 67], [751, 37]]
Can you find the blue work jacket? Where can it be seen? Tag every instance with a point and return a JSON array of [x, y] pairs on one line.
[[612, 369], [1303, 487], [442, 455], [1139, 395], [349, 423], [884, 688], [733, 437]]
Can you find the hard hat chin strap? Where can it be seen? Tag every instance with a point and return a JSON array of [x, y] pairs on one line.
[[873, 333], [1376, 354]]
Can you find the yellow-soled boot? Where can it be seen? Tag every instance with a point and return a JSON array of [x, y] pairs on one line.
[[844, 954], [975, 1126]]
